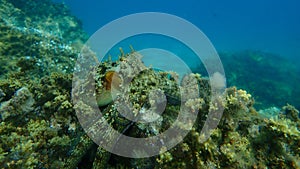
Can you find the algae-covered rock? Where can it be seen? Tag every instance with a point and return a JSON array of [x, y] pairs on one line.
[[39, 127], [21, 102], [37, 37], [241, 139]]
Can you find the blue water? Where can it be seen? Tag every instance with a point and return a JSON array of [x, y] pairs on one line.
[[270, 25]]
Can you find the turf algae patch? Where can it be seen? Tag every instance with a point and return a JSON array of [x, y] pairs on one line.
[[30, 43], [241, 140], [37, 124], [39, 127]]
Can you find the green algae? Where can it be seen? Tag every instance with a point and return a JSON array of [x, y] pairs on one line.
[[241, 140], [35, 47], [38, 124]]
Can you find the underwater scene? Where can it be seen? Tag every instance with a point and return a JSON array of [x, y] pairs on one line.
[[149, 84]]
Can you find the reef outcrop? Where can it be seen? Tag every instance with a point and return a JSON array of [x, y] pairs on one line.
[[39, 127]]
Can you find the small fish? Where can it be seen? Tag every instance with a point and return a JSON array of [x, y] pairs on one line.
[[111, 80]]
